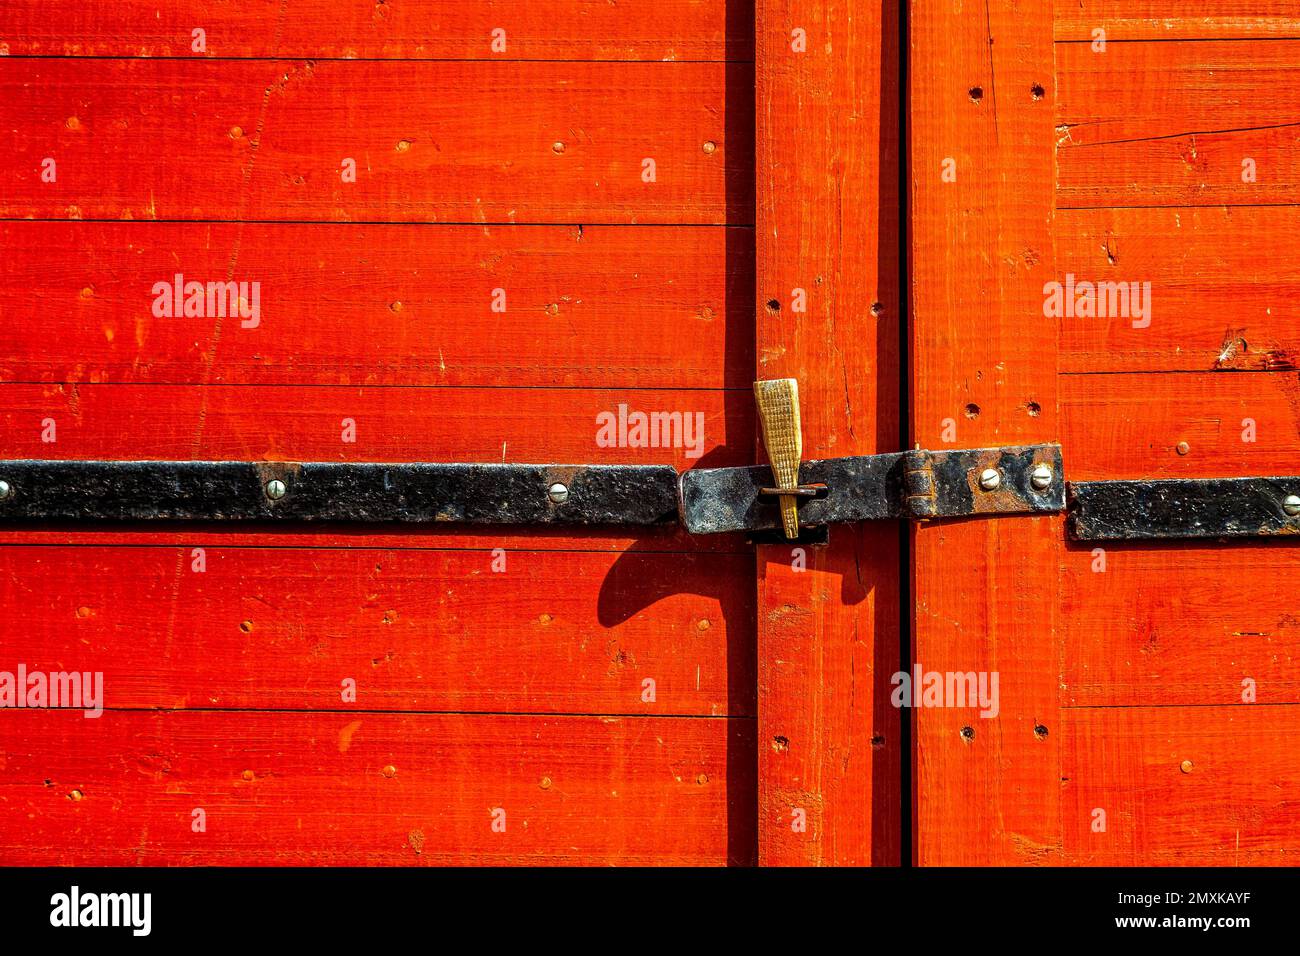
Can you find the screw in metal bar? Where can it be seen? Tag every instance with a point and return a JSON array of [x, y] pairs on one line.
[[1290, 504], [275, 489], [558, 493], [990, 479], [1041, 477], [5, 489]]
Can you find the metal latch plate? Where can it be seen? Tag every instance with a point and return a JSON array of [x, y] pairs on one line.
[[914, 484]]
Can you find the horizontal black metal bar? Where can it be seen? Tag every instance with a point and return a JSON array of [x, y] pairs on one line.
[[914, 484], [341, 492], [1183, 508]]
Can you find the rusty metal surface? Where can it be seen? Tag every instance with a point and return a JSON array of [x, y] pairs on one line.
[[1182, 508], [338, 492], [956, 482]]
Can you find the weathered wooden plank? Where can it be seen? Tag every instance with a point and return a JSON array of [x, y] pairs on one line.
[[983, 360], [828, 306], [431, 141], [1174, 124], [1198, 169], [1179, 424], [385, 305], [1176, 19], [1165, 624], [1181, 786], [373, 789], [1224, 288], [1141, 91], [427, 630], [311, 423], [421, 29]]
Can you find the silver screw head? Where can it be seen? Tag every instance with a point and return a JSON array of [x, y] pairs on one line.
[[1041, 477], [990, 479], [5, 489], [1290, 504], [275, 489], [559, 493]]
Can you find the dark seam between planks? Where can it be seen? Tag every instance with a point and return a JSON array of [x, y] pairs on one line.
[[1068, 144], [1203, 39], [394, 222], [289, 548], [557, 388], [290, 58], [1224, 705], [1067, 190], [384, 713]]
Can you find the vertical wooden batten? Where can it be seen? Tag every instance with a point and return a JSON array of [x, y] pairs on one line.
[[983, 362], [826, 227]]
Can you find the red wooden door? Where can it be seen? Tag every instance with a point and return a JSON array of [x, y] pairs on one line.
[[461, 232], [461, 257], [1147, 689], [464, 233]]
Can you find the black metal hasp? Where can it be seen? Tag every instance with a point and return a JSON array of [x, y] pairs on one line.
[[913, 484], [1184, 508], [916, 484]]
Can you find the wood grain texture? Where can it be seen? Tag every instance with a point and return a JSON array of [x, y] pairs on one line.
[[421, 29], [1164, 761], [1131, 426], [1170, 124], [1177, 19], [983, 361], [305, 423], [1233, 806], [1225, 289], [293, 788], [1180, 624], [432, 141], [827, 155], [383, 305], [425, 630]]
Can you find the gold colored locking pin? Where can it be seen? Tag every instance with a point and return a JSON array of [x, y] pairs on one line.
[[778, 411]]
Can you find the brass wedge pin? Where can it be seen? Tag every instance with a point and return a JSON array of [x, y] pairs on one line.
[[778, 411]]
